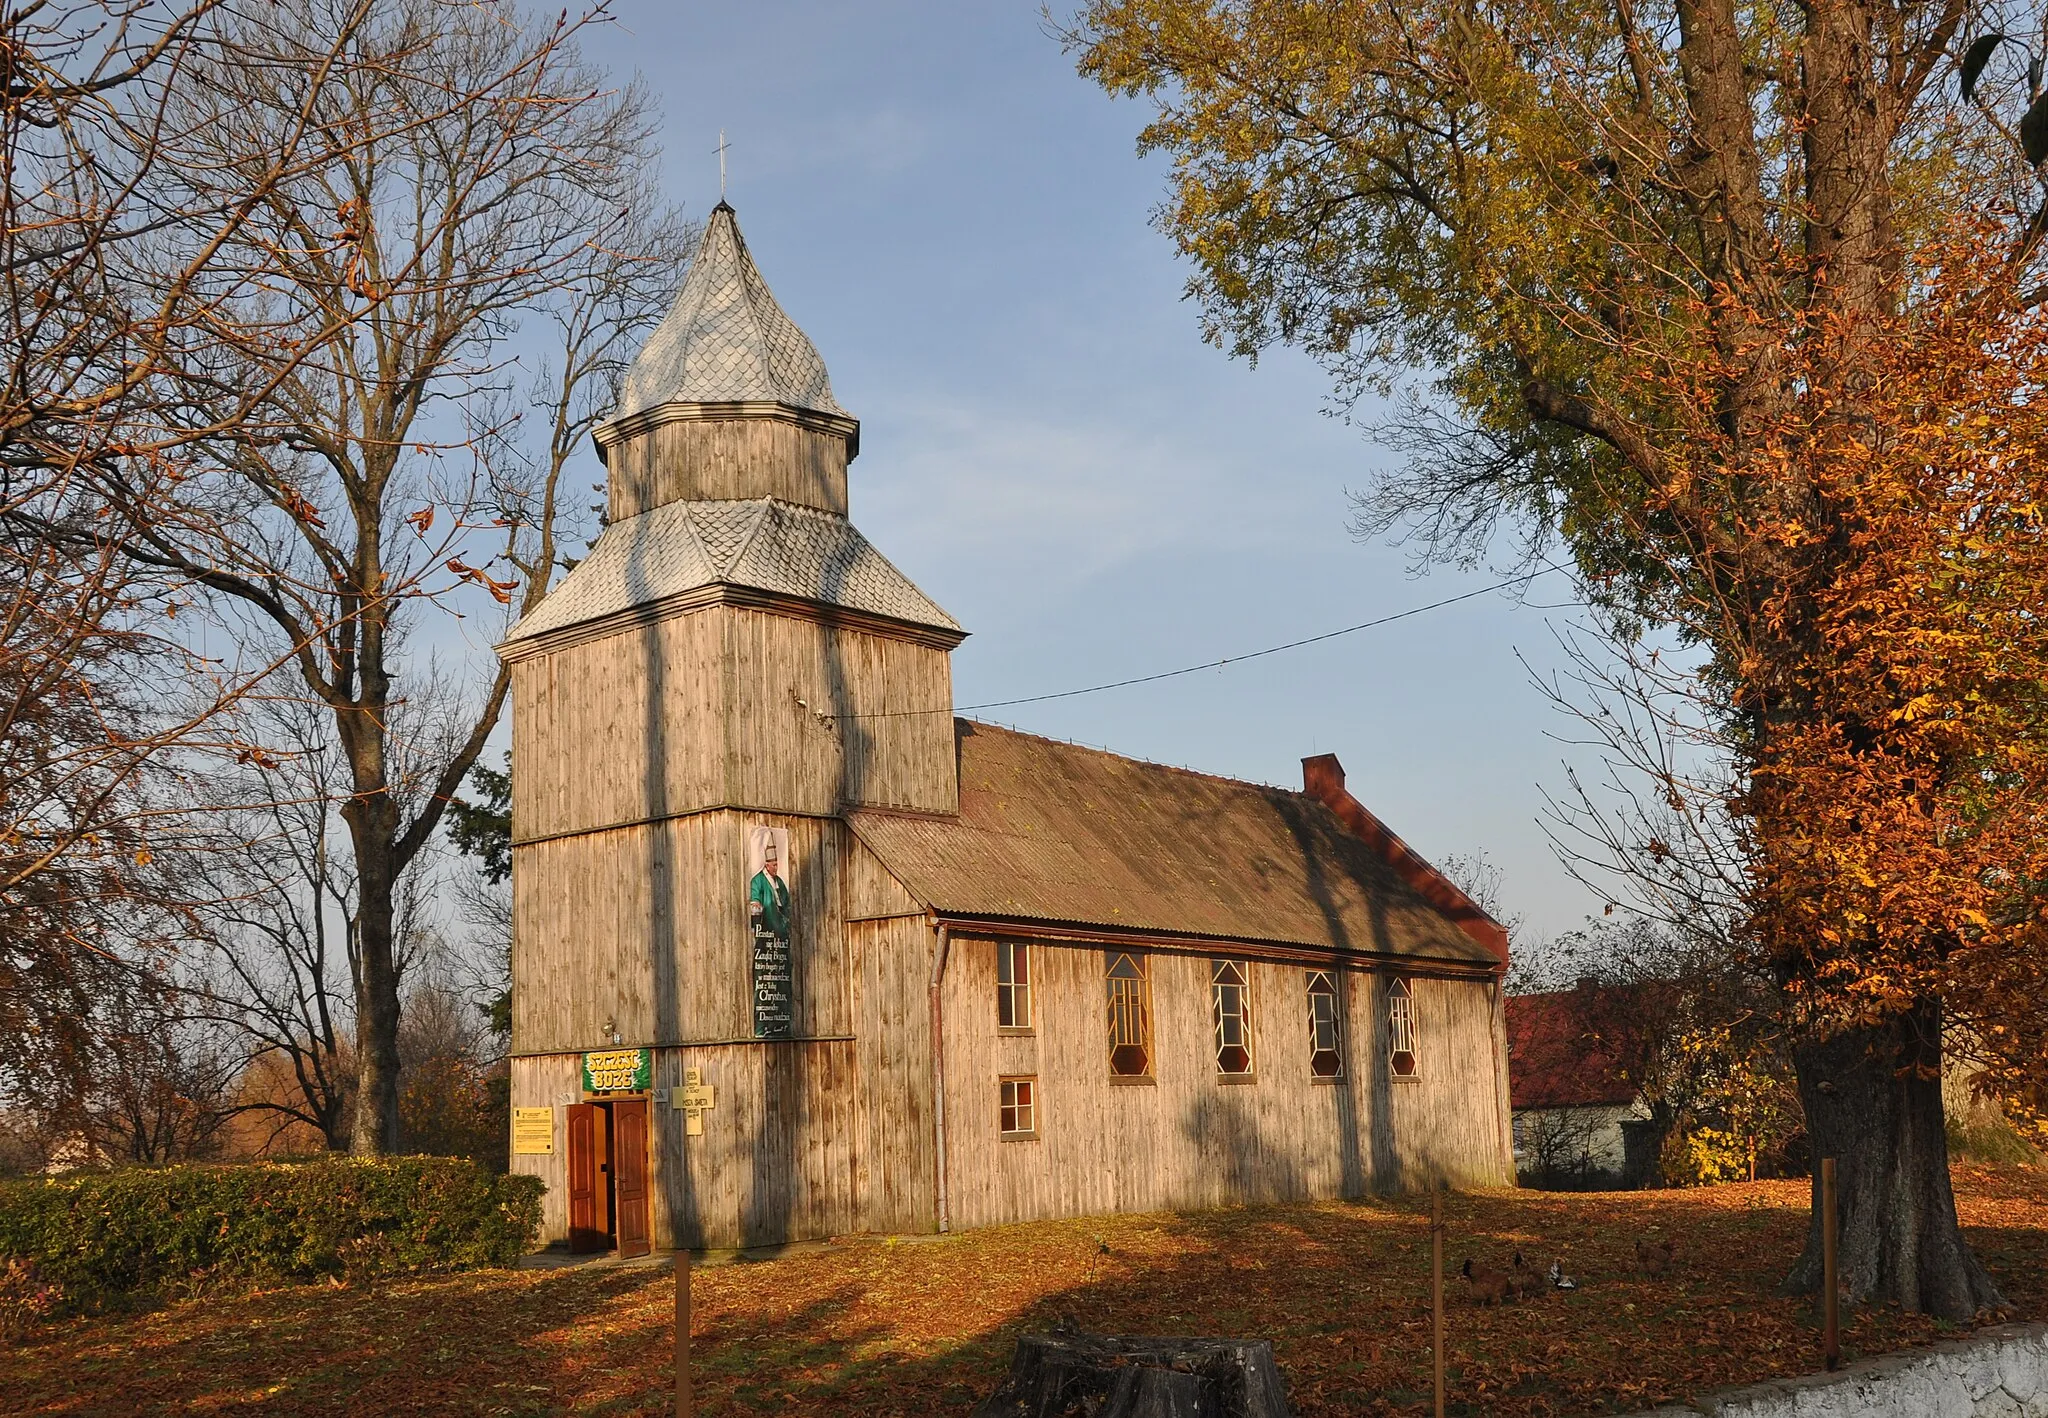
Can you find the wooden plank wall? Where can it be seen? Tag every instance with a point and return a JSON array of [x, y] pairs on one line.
[[724, 459], [809, 1138], [621, 729], [771, 1164], [892, 964], [546, 1083], [780, 755], [722, 706], [648, 926], [872, 892], [1188, 1140], [827, 1137]]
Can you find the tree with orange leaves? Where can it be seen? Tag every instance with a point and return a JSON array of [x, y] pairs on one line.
[[1898, 821], [1737, 303]]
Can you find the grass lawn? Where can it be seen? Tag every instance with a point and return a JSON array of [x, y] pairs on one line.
[[870, 1327]]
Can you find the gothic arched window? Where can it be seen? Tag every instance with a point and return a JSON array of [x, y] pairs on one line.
[[1130, 1015], [1230, 999], [1325, 1033], [1401, 1029]]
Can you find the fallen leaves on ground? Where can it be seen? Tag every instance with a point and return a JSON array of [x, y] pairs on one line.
[[925, 1327]]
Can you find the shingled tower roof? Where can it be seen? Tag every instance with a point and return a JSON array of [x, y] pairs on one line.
[[701, 514], [672, 556], [725, 340]]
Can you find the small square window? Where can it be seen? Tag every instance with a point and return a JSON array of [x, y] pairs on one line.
[[1019, 1107]]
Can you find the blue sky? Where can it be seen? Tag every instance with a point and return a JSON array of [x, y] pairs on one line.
[[962, 225]]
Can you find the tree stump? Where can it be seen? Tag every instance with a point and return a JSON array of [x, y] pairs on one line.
[[1073, 1375]]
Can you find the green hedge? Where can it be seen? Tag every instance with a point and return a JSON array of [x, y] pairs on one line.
[[104, 1234]]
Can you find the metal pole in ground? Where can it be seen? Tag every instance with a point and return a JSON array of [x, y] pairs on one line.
[[1831, 1323], [1436, 1288], [682, 1333]]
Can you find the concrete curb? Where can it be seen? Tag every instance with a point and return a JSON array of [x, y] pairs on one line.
[[1998, 1372]]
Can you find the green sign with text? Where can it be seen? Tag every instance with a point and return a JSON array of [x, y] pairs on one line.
[[618, 1071]]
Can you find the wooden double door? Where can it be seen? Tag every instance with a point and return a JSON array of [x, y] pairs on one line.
[[608, 1205]]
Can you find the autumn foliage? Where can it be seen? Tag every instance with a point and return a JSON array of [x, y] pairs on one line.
[[1896, 813], [1733, 305]]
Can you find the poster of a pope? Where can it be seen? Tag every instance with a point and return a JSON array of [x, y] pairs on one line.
[[768, 921], [767, 891]]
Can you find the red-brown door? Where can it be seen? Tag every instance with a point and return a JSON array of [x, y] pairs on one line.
[[629, 1174], [587, 1229]]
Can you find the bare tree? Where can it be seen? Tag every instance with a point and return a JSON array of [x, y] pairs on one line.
[[276, 917], [97, 161], [456, 1086], [276, 920], [1653, 835], [485, 186], [139, 1075], [97, 166]]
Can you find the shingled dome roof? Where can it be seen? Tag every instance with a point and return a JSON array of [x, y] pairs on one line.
[[725, 340], [761, 545]]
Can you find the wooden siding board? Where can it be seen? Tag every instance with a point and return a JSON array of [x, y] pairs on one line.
[[727, 705], [619, 729], [770, 1165], [893, 960], [726, 460], [819, 718], [647, 926], [1187, 1140], [872, 893], [544, 1083]]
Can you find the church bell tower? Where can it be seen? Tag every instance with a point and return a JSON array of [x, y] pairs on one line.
[[732, 668]]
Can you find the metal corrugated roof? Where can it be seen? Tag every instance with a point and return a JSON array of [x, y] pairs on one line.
[[762, 544], [1052, 832], [725, 340]]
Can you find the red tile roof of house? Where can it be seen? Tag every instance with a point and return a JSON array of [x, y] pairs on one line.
[[1556, 1055]]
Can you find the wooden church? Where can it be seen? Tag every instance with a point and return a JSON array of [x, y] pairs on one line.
[[797, 953]]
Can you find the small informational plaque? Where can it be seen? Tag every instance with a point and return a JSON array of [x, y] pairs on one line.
[[693, 1098], [768, 921], [618, 1071], [533, 1130]]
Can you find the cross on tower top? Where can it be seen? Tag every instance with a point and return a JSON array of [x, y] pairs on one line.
[[720, 150]]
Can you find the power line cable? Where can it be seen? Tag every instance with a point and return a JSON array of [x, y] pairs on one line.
[[1522, 580]]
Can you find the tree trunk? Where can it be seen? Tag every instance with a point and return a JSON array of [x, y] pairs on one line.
[[1067, 1374], [1873, 1102], [372, 823]]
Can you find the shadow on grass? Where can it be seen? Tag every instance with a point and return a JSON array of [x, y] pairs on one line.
[[1340, 1288]]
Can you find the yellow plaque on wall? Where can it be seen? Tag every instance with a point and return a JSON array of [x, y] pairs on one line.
[[533, 1130]]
